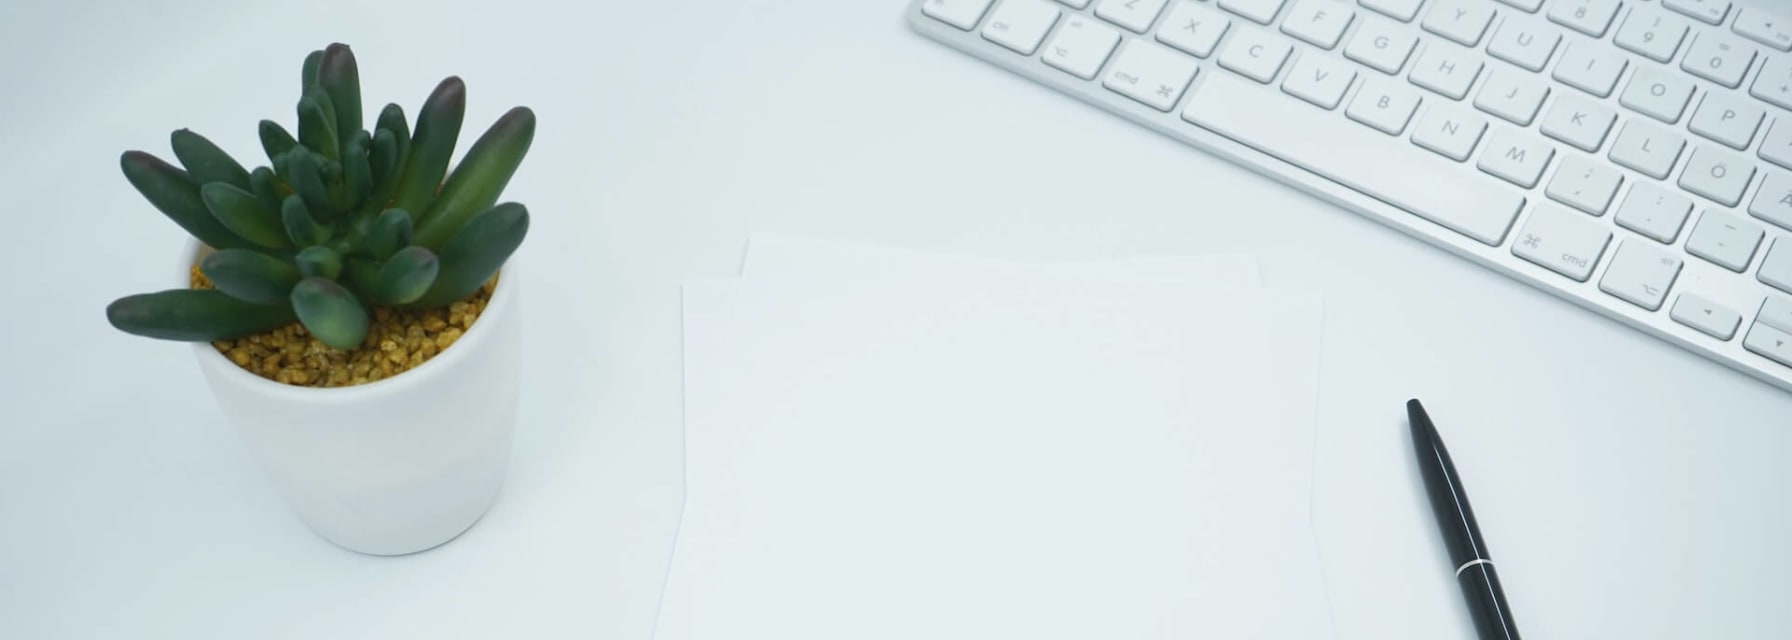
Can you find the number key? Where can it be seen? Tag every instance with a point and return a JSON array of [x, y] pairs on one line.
[[1590, 17], [1652, 33], [1718, 58]]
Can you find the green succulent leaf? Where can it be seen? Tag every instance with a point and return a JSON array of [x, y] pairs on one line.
[[317, 128], [301, 228], [206, 162], [388, 233], [194, 315], [392, 119], [341, 79], [383, 161], [308, 74], [243, 214], [275, 140], [250, 276], [269, 189], [406, 276], [480, 178], [476, 252], [176, 195], [438, 126], [330, 312], [319, 262], [308, 181], [361, 276], [357, 170]]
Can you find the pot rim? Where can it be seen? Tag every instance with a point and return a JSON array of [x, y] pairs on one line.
[[422, 375]]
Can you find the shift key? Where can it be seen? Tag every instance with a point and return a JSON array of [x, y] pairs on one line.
[[1562, 241]]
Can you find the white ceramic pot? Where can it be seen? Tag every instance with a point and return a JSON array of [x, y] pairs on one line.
[[395, 466]]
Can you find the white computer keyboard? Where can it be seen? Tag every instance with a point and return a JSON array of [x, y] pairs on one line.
[[1633, 156]]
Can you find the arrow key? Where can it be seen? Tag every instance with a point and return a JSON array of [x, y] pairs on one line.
[[1767, 341], [1776, 313], [1708, 317]]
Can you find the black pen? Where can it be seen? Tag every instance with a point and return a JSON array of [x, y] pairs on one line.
[[1468, 552]]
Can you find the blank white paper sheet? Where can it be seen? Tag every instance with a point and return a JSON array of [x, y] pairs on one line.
[[996, 456]]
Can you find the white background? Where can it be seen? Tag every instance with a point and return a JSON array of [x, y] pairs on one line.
[[1628, 489]]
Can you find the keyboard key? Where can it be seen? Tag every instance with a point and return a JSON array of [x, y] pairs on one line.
[[1319, 80], [1463, 21], [1773, 201], [1590, 68], [1769, 342], [1776, 313], [1719, 58], [1150, 73], [1075, 4], [1647, 148], [1512, 96], [1654, 211], [1766, 28], [1255, 54], [1384, 105], [1591, 17], [1709, 11], [1562, 241], [1320, 23], [1193, 28], [1776, 271], [1135, 15], [1527, 5], [963, 14], [1021, 24], [1479, 209], [1657, 94], [1081, 47], [1775, 82], [1640, 274], [1516, 157], [1724, 239], [1402, 10], [1652, 33], [1580, 122], [1449, 130], [1381, 45], [1727, 120], [1259, 11], [1777, 148], [1447, 70], [1526, 43], [1708, 317], [1717, 175], [1584, 184]]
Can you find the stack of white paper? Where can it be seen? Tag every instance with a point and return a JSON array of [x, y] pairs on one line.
[[882, 444]]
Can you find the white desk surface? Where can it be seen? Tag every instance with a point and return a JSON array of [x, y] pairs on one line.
[[1628, 489]]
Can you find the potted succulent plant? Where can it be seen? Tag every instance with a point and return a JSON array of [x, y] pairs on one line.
[[347, 305]]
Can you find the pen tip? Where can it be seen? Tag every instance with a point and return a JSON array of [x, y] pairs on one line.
[[1418, 418]]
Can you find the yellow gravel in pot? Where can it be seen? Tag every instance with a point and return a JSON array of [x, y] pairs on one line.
[[397, 341]]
